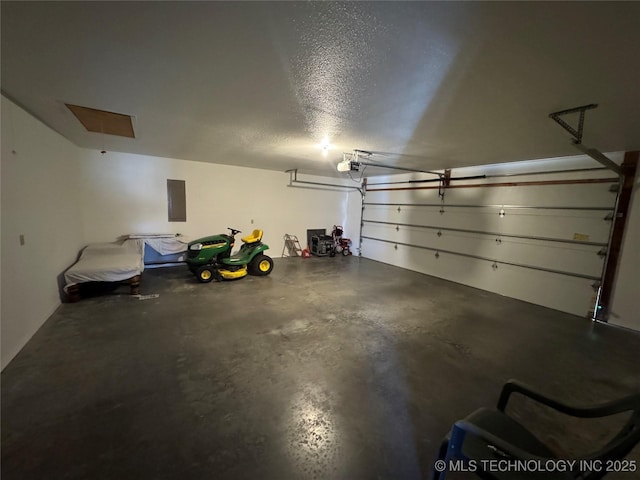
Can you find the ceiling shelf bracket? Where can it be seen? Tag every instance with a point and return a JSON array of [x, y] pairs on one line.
[[577, 135]]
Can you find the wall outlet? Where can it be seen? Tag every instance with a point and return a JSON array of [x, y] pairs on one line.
[[21, 240]]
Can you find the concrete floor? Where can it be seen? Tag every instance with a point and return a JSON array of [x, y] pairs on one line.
[[329, 368]]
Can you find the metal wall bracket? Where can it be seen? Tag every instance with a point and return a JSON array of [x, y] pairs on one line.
[[577, 133], [602, 252], [598, 157], [445, 181]]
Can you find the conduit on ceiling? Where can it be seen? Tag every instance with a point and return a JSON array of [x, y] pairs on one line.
[[295, 183]]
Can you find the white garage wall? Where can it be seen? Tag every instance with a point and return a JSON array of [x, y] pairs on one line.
[[354, 216], [567, 293], [125, 193], [625, 309], [40, 201]]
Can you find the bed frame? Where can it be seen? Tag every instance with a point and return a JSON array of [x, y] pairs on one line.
[[73, 291], [118, 262]]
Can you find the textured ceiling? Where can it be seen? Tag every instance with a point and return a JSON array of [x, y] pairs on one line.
[[434, 85]]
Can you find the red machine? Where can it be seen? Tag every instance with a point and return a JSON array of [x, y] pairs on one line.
[[341, 244]]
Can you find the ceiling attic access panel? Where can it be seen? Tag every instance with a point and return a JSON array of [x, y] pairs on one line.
[[101, 121]]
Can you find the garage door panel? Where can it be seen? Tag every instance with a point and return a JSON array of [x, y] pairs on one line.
[[567, 225], [579, 259]]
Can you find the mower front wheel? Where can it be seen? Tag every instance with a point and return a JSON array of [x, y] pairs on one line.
[[261, 265], [205, 274]]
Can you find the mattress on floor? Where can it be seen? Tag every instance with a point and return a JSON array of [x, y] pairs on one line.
[[107, 262]]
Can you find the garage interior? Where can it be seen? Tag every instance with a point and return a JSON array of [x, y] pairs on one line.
[[491, 240]]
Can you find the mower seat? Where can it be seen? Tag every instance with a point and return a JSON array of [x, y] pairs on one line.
[[255, 236]]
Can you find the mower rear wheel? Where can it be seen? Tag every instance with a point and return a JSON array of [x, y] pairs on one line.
[[261, 265], [205, 274]]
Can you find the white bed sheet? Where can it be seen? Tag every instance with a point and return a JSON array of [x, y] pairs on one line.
[[107, 262], [163, 243], [168, 246]]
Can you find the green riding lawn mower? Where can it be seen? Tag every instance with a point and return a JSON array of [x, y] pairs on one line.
[[210, 258]]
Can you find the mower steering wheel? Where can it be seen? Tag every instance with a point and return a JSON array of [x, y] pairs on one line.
[[233, 231]]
